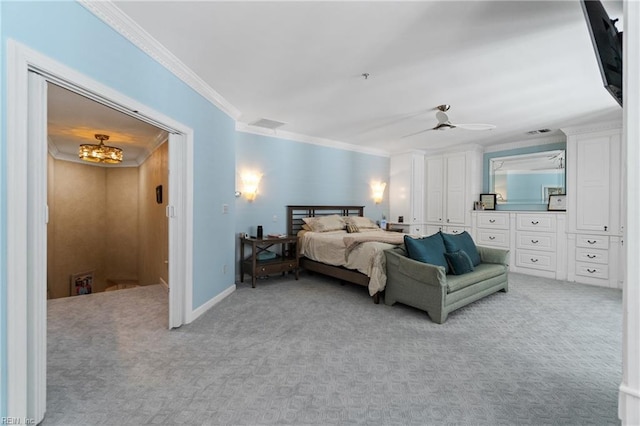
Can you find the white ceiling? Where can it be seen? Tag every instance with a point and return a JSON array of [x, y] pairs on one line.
[[520, 65], [73, 120]]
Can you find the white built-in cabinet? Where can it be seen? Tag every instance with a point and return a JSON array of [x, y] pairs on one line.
[[452, 184], [406, 189], [434, 193], [595, 207], [536, 240], [585, 244]]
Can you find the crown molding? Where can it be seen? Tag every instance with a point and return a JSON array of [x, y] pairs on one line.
[[110, 14], [525, 143], [592, 128], [296, 137]]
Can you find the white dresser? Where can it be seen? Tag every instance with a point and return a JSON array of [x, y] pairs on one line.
[[536, 240], [596, 222]]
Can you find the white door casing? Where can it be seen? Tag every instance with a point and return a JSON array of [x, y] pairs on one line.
[[26, 216]]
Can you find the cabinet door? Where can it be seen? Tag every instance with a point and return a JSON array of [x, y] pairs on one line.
[[435, 189], [400, 189], [417, 187], [593, 184], [455, 194]]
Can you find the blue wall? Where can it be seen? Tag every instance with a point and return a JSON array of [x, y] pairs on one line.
[[69, 34], [302, 173], [294, 173]]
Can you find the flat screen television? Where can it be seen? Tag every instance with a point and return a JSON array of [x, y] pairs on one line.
[[607, 43]]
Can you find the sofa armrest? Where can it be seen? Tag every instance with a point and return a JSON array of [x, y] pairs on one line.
[[494, 255], [399, 263]]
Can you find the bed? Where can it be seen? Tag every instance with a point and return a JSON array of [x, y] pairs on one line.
[[352, 257]]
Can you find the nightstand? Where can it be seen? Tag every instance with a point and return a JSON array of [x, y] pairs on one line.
[[283, 259]]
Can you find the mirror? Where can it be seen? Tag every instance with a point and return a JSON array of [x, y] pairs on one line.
[[527, 178]]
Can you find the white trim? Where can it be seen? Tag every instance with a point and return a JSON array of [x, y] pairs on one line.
[[136, 162], [525, 143], [296, 137], [180, 226], [37, 247], [629, 391], [127, 27], [21, 197], [164, 283], [193, 315], [115, 18], [629, 395], [16, 163], [592, 128]]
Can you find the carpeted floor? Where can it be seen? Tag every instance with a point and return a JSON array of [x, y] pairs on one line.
[[313, 352]]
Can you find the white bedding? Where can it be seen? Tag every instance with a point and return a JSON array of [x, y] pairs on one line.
[[367, 257]]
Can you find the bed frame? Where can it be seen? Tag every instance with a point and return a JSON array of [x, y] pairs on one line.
[[294, 225]]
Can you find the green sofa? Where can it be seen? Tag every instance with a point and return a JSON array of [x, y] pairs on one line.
[[428, 287]]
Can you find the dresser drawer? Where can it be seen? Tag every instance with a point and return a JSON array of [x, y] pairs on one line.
[[536, 241], [536, 222], [536, 259], [455, 230], [590, 255], [493, 237], [493, 220], [593, 241], [592, 270]]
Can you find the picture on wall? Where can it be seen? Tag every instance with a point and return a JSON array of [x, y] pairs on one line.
[[557, 202], [488, 201], [81, 283], [551, 190]]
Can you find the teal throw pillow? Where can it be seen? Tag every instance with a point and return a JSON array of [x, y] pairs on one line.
[[427, 250], [459, 262], [455, 242]]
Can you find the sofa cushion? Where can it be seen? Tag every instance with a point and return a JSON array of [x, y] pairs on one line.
[[459, 262], [463, 241], [427, 250], [482, 272]]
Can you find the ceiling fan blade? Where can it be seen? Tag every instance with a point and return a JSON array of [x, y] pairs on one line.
[[416, 133], [444, 126], [476, 126]]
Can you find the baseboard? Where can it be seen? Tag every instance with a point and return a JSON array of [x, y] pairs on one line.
[[629, 405], [210, 304], [164, 283]]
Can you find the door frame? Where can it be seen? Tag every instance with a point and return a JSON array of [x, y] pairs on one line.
[[26, 205]]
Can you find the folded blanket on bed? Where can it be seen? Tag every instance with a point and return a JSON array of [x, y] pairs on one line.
[[352, 241]]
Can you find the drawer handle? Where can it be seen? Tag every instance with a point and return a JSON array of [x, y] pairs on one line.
[[592, 256], [592, 241], [535, 241], [592, 271], [491, 237], [492, 221], [534, 222], [534, 260]]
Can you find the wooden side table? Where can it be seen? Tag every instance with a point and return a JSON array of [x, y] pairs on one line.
[[285, 259]]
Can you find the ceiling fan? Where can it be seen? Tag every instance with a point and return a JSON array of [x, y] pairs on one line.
[[445, 124]]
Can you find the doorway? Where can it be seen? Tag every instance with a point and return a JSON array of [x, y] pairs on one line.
[[27, 75], [95, 208]]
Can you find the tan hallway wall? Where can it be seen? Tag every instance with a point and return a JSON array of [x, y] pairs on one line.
[[93, 224], [154, 225]]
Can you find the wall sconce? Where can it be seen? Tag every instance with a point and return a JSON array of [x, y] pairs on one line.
[[377, 190], [250, 182]]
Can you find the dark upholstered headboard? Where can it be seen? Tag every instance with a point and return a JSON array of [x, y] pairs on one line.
[[296, 213]]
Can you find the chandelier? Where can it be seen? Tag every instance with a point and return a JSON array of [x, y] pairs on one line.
[[100, 153]]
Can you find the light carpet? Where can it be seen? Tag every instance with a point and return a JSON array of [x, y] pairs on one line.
[[314, 352]]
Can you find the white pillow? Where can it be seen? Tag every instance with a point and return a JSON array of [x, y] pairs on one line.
[[325, 223], [361, 222]]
